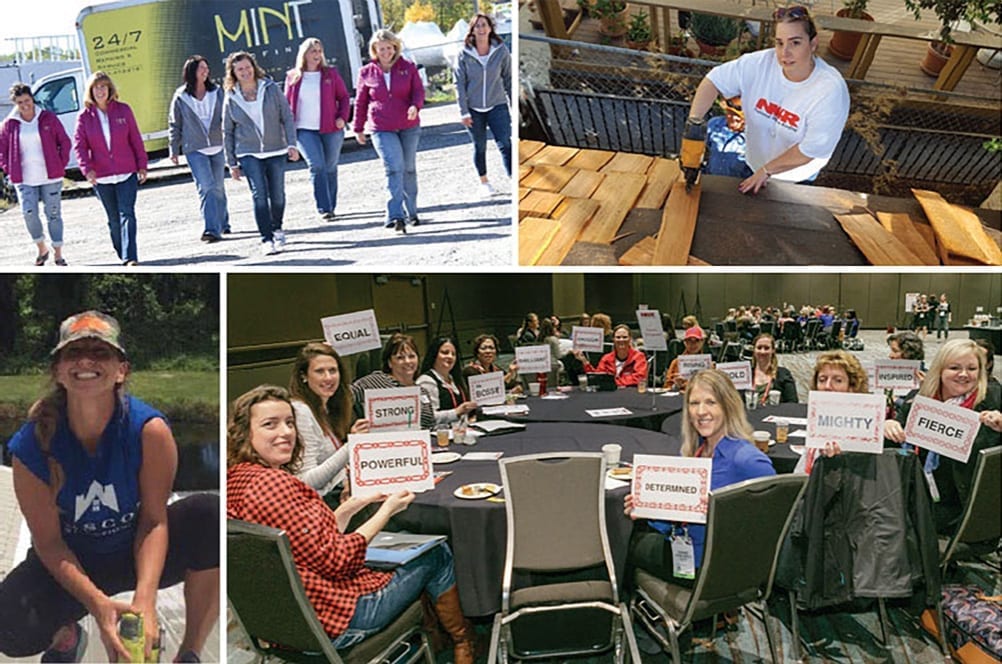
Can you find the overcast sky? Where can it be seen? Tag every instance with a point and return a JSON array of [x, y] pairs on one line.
[[32, 18]]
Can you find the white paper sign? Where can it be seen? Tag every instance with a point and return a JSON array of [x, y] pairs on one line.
[[394, 409], [871, 375], [854, 421], [533, 359], [740, 373], [608, 412], [671, 488], [896, 374], [388, 462], [487, 389], [911, 299], [587, 339], [352, 333], [651, 330], [943, 428], [691, 364]]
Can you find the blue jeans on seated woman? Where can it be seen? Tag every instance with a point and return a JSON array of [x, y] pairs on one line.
[[266, 179], [208, 171], [398, 150], [322, 153], [431, 571], [119, 201]]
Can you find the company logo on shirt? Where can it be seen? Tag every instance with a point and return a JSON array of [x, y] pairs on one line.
[[96, 496], [771, 109]]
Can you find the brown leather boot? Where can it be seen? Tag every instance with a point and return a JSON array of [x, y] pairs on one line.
[[429, 623], [458, 627]]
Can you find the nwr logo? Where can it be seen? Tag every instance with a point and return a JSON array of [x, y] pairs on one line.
[[96, 496], [776, 111]]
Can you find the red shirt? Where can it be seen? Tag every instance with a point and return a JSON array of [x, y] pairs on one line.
[[634, 367], [330, 563]]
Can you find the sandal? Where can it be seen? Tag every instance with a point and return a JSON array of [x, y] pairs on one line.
[[61, 262], [40, 260]]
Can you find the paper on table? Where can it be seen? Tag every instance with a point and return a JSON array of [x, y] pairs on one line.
[[611, 484], [490, 426], [609, 412], [513, 409], [798, 449], [799, 433], [482, 456], [794, 421]]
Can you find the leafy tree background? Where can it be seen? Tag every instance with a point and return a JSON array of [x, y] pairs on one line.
[[443, 12]]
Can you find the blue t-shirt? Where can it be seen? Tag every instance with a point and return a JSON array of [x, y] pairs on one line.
[[99, 500], [734, 460]]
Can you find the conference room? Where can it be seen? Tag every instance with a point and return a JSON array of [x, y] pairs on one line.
[[477, 370]]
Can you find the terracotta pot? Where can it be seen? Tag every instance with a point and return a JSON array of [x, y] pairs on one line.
[[711, 50], [936, 55], [638, 46], [843, 44], [615, 25], [681, 51]]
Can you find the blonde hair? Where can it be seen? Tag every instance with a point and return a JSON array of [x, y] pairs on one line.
[[304, 48], [95, 78], [848, 363], [949, 352], [385, 35], [690, 321], [603, 321], [720, 386], [238, 432]]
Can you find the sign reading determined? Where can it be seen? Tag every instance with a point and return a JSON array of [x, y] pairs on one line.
[[854, 421], [394, 409], [487, 389], [352, 333], [388, 462], [943, 428], [671, 488]]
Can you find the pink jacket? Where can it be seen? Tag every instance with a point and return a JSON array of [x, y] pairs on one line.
[[386, 110], [127, 154], [334, 100], [55, 146]]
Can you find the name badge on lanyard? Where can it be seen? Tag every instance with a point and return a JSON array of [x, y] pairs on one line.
[[683, 556]]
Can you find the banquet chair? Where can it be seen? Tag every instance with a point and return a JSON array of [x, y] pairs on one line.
[[268, 600], [559, 596], [745, 526]]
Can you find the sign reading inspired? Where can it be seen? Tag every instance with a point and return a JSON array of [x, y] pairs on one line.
[[691, 364], [740, 373], [352, 333], [896, 374], [671, 488], [487, 389], [587, 339], [854, 421], [394, 409], [651, 329], [943, 428], [388, 462], [533, 359]]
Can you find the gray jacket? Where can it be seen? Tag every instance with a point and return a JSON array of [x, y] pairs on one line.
[[186, 132], [481, 86], [240, 133]]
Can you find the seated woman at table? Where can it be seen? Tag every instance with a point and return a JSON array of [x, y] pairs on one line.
[[714, 425], [693, 340], [442, 383], [768, 374], [904, 345], [400, 365], [485, 355], [625, 362], [528, 332], [352, 601], [834, 371], [322, 401], [549, 335], [957, 377]]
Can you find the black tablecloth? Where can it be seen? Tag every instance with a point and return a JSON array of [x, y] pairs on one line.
[[784, 459], [993, 334], [477, 528], [646, 410]]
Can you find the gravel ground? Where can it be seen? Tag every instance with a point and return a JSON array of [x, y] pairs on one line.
[[457, 226]]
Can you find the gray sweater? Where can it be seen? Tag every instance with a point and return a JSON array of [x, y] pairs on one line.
[[185, 130], [241, 134], [482, 86]]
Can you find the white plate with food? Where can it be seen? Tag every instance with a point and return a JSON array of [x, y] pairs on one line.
[[445, 457], [477, 491], [624, 473]]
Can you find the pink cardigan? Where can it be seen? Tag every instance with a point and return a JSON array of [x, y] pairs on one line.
[[380, 109], [127, 154], [334, 100], [55, 146]]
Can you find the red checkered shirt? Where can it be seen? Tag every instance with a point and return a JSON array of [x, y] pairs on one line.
[[330, 563]]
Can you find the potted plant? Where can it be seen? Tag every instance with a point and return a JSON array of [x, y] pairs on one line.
[[713, 33], [638, 35], [843, 44], [612, 17], [679, 45], [950, 13]]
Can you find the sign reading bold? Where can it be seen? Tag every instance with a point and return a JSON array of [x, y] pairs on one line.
[[651, 329], [487, 389], [388, 462], [691, 364], [394, 409], [352, 333], [896, 374], [854, 421], [943, 428], [587, 339], [533, 359], [740, 373], [671, 488]]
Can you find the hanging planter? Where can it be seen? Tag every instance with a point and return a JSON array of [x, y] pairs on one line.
[[843, 44]]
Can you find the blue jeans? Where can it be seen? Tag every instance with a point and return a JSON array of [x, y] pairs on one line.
[[266, 179], [499, 121], [119, 201], [431, 571], [208, 173], [49, 195], [322, 153], [398, 150]]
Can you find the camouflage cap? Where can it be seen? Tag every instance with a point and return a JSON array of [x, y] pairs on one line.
[[90, 325]]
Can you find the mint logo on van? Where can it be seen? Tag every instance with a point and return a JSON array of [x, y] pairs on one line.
[[96, 496]]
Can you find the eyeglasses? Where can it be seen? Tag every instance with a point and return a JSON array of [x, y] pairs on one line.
[[796, 12]]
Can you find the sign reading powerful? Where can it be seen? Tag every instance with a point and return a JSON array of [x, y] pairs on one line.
[[393, 409], [651, 330], [533, 359], [587, 339], [740, 373], [943, 428], [487, 389], [896, 374], [352, 333], [388, 462], [692, 364], [854, 421], [671, 488]]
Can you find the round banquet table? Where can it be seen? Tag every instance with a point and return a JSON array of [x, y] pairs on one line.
[[646, 410], [477, 528], [784, 459]]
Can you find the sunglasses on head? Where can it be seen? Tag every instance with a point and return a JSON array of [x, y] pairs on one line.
[[795, 12]]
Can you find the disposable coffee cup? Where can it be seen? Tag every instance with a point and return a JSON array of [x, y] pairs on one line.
[[612, 452], [442, 437], [774, 397], [751, 397], [782, 430], [582, 383], [761, 440], [534, 389]]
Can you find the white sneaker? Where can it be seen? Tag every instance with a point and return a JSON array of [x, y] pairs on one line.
[[268, 248], [486, 190], [279, 238]]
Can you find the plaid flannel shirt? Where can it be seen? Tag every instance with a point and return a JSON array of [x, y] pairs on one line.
[[330, 563]]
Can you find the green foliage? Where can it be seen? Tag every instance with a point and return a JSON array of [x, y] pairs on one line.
[[994, 145], [640, 28], [855, 7], [714, 30], [607, 8], [951, 11]]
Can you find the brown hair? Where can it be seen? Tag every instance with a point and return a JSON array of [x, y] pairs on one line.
[[848, 362], [774, 362], [336, 417], [95, 78], [398, 342], [471, 38], [603, 321], [238, 434], [230, 82], [796, 14]]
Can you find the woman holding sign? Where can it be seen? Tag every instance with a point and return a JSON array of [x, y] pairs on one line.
[[768, 374], [352, 601], [442, 382], [714, 425], [485, 355], [400, 365], [957, 377], [625, 362], [693, 341]]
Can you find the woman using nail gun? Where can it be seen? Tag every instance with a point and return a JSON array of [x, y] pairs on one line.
[[795, 106]]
